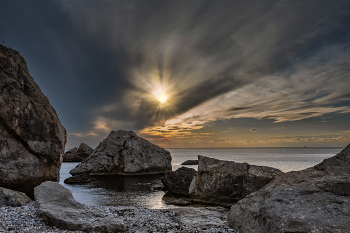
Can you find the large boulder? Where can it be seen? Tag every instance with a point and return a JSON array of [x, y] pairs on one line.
[[13, 198], [217, 182], [125, 153], [178, 182], [32, 139], [78, 154], [316, 199], [57, 207], [226, 182]]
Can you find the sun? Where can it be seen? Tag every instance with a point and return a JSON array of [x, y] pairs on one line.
[[160, 96]]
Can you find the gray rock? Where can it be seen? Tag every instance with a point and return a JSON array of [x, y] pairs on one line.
[[72, 151], [190, 162], [178, 182], [200, 218], [32, 139], [316, 199], [57, 207], [78, 154], [84, 151], [72, 156], [13, 198], [124, 153], [226, 182]]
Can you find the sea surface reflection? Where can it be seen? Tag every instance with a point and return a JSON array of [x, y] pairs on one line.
[[137, 190], [116, 190]]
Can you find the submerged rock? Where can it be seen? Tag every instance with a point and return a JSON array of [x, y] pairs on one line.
[[316, 199], [32, 139], [57, 207], [13, 198], [178, 182], [125, 153]]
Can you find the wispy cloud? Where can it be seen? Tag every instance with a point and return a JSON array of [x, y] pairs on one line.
[[241, 57], [82, 135], [219, 60], [286, 97]]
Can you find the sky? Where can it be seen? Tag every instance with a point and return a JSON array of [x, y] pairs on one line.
[[190, 74]]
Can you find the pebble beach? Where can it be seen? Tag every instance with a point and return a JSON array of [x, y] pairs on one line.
[[136, 219]]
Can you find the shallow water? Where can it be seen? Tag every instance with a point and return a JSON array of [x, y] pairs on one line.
[[137, 190], [116, 190], [284, 158]]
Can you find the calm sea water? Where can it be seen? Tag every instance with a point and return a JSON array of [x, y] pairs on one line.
[[137, 190]]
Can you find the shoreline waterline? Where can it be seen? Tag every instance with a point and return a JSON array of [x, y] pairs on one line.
[[137, 191]]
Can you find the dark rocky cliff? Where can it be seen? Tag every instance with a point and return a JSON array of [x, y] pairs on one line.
[[32, 139]]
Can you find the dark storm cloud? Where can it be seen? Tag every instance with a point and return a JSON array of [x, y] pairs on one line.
[[208, 48], [97, 59], [76, 73]]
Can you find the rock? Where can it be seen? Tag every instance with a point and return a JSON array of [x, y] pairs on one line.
[[72, 151], [13, 198], [57, 207], [32, 139], [78, 154], [217, 182], [190, 162], [178, 182], [84, 151], [316, 199], [124, 153], [79, 179], [201, 219], [72, 156], [226, 182]]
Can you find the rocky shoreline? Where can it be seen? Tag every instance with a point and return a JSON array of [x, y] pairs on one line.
[[136, 219], [263, 199]]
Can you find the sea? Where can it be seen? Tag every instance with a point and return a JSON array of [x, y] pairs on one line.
[[137, 190]]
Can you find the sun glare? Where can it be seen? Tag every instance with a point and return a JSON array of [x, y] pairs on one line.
[[160, 96]]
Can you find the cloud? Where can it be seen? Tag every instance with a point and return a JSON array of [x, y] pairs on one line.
[[285, 97], [202, 52], [279, 128], [82, 135]]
